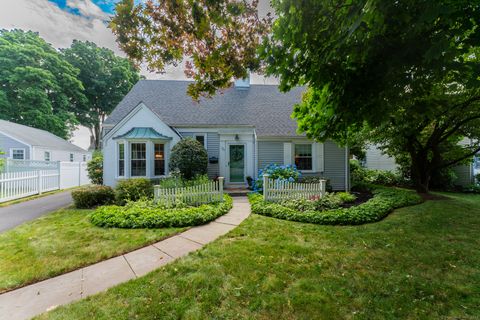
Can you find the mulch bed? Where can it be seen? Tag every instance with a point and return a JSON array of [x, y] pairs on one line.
[[362, 197]]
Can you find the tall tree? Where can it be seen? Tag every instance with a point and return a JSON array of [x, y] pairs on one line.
[[406, 71], [107, 78], [38, 87], [216, 39]]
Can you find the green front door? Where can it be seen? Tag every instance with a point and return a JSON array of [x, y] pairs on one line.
[[237, 163]]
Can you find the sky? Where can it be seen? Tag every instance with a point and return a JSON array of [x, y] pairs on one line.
[[61, 21]]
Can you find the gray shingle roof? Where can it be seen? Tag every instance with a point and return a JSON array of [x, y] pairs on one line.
[[262, 106], [37, 137]]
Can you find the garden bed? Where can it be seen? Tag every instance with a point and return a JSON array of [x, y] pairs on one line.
[[384, 201], [145, 214]]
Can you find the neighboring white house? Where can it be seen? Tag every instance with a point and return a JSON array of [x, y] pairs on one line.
[[243, 129], [376, 159], [19, 142]]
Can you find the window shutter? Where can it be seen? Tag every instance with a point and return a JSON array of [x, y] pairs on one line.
[[287, 153], [319, 153]]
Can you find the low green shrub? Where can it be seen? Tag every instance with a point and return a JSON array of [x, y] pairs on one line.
[[133, 190], [145, 214], [361, 176], [95, 168], [473, 188], [177, 181], [189, 157], [316, 179], [346, 197], [375, 209], [327, 202], [92, 196]]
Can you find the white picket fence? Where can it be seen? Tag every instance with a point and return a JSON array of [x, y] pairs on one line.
[[278, 190], [194, 195], [19, 184]]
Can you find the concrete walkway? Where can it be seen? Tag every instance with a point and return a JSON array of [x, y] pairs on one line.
[[37, 298], [15, 214]]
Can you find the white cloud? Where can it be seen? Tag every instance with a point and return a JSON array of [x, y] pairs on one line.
[[88, 9], [60, 27], [55, 25]]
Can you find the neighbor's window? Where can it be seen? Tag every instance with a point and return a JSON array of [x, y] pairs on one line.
[[159, 159], [18, 154], [138, 167], [201, 138], [121, 160], [46, 156], [84, 157], [303, 156], [71, 157]]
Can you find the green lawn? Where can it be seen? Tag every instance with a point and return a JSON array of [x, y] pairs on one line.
[[63, 241], [421, 262]]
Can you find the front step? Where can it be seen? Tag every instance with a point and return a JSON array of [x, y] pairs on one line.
[[237, 192]]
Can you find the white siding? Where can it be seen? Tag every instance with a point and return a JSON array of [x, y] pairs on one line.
[[59, 155], [139, 117], [7, 143], [375, 159]]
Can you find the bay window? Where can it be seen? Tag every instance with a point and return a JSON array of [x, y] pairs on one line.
[[303, 157], [121, 160], [138, 160], [159, 159]]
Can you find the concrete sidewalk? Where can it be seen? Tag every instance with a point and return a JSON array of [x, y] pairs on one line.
[[37, 298], [15, 214]]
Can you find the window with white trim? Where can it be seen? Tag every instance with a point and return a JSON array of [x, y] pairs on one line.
[[159, 159], [202, 138], [18, 154], [121, 160], [303, 157], [71, 157], [138, 161], [84, 157], [46, 156]]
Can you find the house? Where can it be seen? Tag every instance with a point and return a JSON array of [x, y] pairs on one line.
[[243, 129], [376, 159], [19, 142]]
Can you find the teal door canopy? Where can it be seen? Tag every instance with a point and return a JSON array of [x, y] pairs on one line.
[[237, 163], [143, 133]]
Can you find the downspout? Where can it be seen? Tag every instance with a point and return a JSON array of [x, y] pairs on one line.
[[255, 153], [347, 170]]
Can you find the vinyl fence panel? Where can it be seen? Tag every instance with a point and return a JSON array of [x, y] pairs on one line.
[[211, 191], [40, 176], [278, 190]]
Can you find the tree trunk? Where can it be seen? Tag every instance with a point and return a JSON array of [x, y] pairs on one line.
[[421, 171], [95, 133]]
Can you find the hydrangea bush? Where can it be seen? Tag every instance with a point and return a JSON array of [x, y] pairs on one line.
[[276, 172]]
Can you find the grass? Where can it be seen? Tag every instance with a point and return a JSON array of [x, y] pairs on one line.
[[64, 241], [421, 262]]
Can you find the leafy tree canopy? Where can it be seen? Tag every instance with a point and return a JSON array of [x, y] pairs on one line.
[[405, 72], [107, 78], [216, 39], [38, 87]]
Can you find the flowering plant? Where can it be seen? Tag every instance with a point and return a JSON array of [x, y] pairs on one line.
[[283, 173]]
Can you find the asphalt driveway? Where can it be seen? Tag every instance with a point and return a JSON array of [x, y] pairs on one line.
[[15, 214]]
